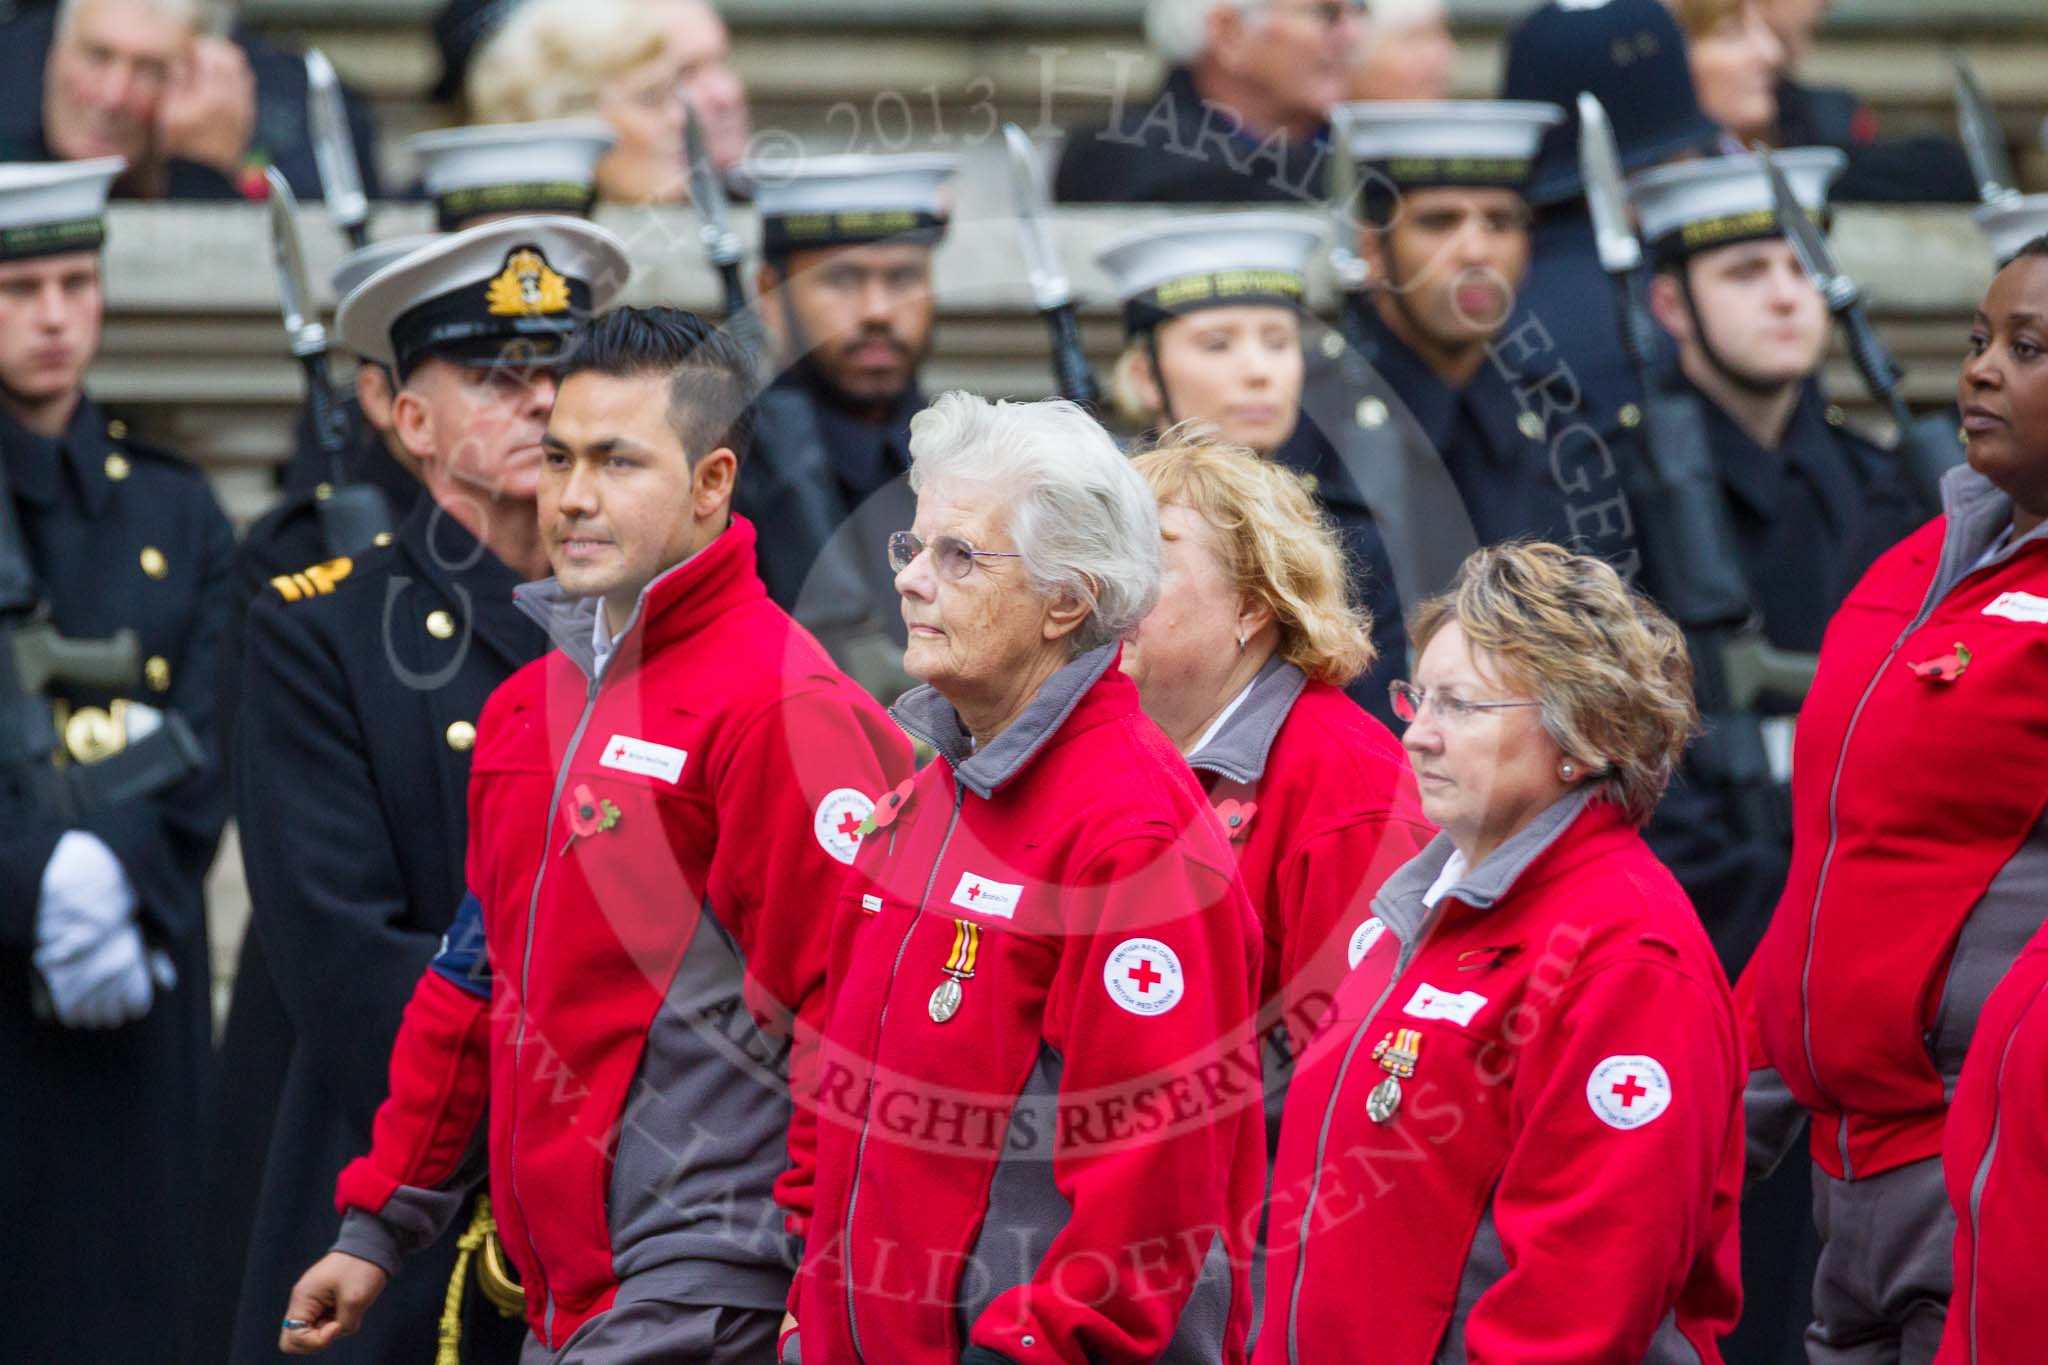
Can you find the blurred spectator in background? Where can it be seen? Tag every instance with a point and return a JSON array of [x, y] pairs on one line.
[[702, 51], [560, 59], [1736, 58], [1405, 52], [1923, 168], [196, 115], [1244, 114]]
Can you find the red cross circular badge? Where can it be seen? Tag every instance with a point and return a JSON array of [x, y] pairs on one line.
[[1627, 1092], [1143, 976], [838, 820]]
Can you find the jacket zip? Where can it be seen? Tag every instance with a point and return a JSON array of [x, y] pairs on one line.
[[525, 971], [1927, 607], [1983, 1176], [1365, 1023], [860, 1150]]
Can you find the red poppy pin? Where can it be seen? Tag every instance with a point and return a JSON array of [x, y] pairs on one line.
[[1236, 817], [1947, 668], [588, 815], [886, 807]]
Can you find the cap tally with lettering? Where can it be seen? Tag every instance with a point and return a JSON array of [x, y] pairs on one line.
[[1694, 206], [48, 207], [1210, 261]]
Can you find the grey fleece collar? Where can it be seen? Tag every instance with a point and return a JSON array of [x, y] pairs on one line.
[[1978, 513], [1239, 751], [923, 714], [1399, 902], [571, 622]]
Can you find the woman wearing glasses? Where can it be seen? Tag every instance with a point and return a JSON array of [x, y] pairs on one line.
[[1243, 663], [1037, 1129], [1520, 1136]]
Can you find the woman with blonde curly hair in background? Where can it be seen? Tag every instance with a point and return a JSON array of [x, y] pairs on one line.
[[1243, 665], [608, 59], [1521, 1130]]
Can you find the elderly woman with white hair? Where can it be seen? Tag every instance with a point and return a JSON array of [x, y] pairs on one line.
[[1037, 1132]]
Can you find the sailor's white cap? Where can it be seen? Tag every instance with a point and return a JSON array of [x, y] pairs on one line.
[[52, 206], [507, 168], [1693, 206], [1211, 261], [807, 203]]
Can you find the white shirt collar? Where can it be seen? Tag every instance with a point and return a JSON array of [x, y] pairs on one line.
[[1454, 868]]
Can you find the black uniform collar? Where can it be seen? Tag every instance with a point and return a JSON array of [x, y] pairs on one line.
[[471, 579], [1756, 476], [35, 463], [864, 455], [1485, 403]]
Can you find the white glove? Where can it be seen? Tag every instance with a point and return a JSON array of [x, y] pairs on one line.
[[87, 946]]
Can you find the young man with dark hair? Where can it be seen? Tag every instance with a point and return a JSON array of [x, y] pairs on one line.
[[660, 813], [364, 679]]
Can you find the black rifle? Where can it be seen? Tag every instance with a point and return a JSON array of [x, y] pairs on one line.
[[1687, 543]]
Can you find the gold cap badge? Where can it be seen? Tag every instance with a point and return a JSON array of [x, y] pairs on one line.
[[528, 287]]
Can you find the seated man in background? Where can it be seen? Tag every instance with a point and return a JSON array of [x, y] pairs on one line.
[[1244, 114], [1925, 167], [196, 114], [1405, 53]]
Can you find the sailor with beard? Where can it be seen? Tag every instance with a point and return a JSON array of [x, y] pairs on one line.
[[1444, 231], [845, 288]]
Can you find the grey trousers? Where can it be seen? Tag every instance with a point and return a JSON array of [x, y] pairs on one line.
[[1886, 1268], [653, 1330]]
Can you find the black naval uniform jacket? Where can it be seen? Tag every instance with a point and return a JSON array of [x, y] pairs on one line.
[[99, 1131], [826, 489], [1178, 148], [363, 684]]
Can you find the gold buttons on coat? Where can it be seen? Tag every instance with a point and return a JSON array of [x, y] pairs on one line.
[[1333, 345], [1371, 413], [153, 562], [117, 429], [157, 673], [381, 539], [440, 625], [117, 466], [1530, 425], [1834, 416], [1630, 415], [462, 736], [322, 492]]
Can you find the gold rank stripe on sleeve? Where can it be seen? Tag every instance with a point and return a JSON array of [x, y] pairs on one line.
[[316, 581]]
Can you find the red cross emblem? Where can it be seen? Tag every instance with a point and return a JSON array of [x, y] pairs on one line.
[[1144, 975], [619, 752], [1629, 1091], [974, 892], [848, 823]]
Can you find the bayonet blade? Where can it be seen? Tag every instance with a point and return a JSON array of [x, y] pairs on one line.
[[1807, 244], [334, 151], [1983, 137], [1049, 286], [1340, 184], [1606, 196], [707, 195], [294, 298]]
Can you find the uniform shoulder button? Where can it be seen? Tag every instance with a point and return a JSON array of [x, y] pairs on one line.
[[381, 539], [461, 736], [1332, 345], [1630, 416], [153, 562], [1834, 415], [117, 429], [440, 625], [117, 466], [1371, 413], [1530, 425], [315, 581]]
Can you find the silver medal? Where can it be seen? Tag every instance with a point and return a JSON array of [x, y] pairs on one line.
[[1383, 1101], [945, 1002]]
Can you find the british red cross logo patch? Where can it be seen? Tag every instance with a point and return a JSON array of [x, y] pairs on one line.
[[1628, 1092], [1143, 976]]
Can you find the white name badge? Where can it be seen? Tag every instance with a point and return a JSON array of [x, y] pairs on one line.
[[985, 897], [1428, 1002], [2020, 606], [642, 757]]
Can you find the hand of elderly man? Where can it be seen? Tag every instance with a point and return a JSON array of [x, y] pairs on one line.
[[209, 112]]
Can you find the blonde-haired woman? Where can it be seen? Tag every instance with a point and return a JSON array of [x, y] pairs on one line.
[[558, 59], [1242, 664], [1520, 1138]]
